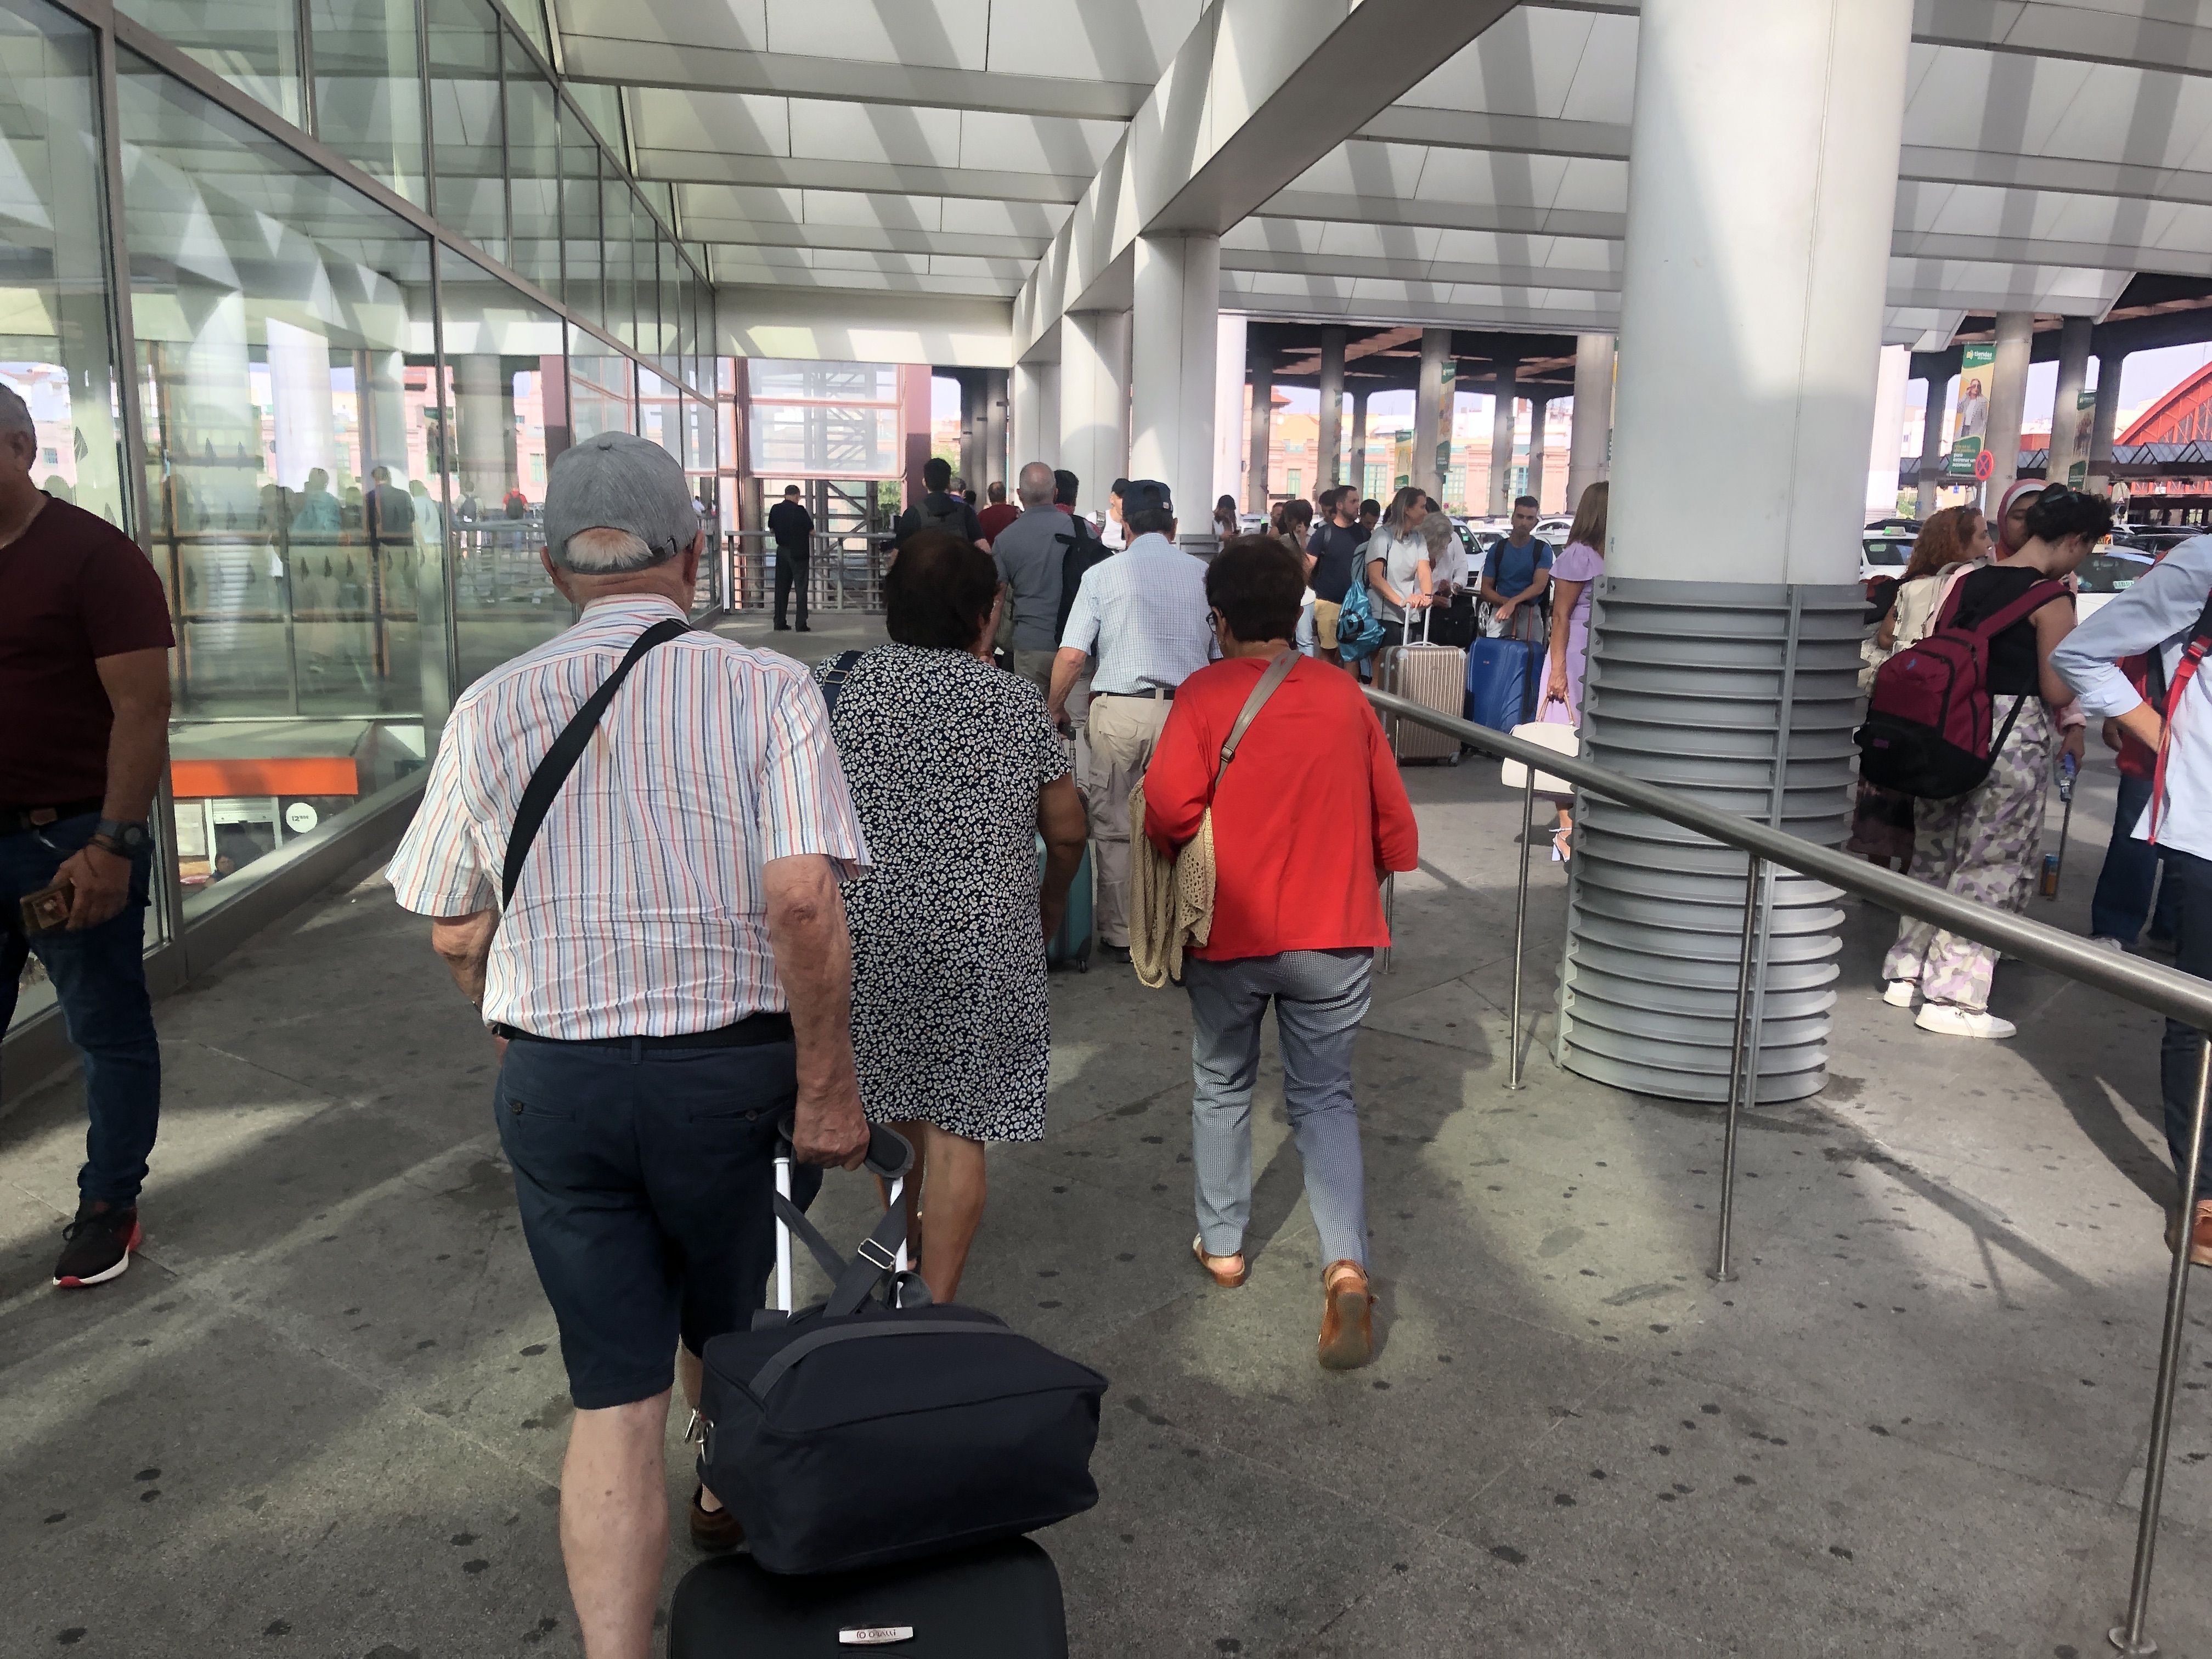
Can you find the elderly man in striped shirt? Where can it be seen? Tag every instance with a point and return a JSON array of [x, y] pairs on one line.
[[666, 971]]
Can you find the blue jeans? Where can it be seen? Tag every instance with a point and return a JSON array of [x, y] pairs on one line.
[[1319, 998], [2189, 879], [2123, 897], [100, 979]]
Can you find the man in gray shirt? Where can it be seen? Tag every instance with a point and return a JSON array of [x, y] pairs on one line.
[[1029, 553]]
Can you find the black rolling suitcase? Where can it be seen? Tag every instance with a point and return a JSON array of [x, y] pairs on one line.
[[1001, 1601]]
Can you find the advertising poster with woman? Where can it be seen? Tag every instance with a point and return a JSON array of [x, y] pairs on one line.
[[1975, 367]]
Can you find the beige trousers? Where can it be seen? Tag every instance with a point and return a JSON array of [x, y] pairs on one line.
[[1118, 748]]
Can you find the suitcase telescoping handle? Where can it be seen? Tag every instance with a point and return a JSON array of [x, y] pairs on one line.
[[891, 1155]]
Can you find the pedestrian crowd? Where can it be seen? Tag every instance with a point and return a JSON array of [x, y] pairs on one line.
[[720, 911]]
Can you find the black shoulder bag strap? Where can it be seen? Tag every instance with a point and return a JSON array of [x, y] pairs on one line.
[[833, 683], [567, 749]]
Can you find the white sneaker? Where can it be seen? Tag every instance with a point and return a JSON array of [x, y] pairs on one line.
[[1948, 1019], [2106, 942], [1898, 992]]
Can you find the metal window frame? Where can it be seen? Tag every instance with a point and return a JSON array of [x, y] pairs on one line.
[[38, 1045]]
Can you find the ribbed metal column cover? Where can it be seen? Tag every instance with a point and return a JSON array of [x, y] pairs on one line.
[[1687, 687]]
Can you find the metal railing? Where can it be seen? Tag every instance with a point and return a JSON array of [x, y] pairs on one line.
[[844, 569], [2162, 990]]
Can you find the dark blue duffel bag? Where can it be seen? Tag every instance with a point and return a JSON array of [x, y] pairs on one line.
[[867, 1430], [1501, 683]]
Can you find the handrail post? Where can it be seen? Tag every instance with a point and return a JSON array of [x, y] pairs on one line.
[[1521, 926], [2129, 1637], [1738, 1055]]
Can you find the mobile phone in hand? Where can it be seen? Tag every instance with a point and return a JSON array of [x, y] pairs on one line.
[[47, 911]]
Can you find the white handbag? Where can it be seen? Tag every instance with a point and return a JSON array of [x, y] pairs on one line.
[[1554, 735]]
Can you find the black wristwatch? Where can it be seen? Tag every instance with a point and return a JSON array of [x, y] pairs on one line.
[[124, 840]]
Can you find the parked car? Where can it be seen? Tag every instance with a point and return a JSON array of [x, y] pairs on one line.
[[1884, 553], [1554, 531], [2111, 569], [1897, 526]]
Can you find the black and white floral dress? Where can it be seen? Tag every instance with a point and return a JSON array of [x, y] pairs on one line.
[[945, 754]]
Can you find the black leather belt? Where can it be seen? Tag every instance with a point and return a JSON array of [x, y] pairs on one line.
[[750, 1032], [1150, 694], [14, 820]]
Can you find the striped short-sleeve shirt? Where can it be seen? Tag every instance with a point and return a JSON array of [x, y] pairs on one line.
[[641, 910]]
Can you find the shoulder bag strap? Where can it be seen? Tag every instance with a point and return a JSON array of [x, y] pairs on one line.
[[2040, 594], [1277, 672], [834, 681], [2192, 654], [567, 749]]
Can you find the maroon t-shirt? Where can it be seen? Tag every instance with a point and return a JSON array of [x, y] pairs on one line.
[[73, 588]]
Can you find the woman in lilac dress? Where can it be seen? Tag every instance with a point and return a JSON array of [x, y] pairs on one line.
[[1572, 573]]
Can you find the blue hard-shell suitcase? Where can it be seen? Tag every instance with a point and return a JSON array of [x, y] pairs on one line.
[[1501, 683]]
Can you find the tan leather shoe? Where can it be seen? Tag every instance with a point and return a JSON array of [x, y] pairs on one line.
[[1227, 1271], [1347, 1317], [2200, 1240]]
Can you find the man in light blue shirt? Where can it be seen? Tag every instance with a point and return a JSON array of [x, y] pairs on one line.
[[1143, 613], [2160, 613]]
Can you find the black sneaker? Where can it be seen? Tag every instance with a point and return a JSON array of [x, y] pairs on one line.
[[804, 629], [96, 1247], [714, 1532]]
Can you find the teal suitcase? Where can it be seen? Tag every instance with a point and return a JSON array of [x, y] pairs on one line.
[[1070, 946]]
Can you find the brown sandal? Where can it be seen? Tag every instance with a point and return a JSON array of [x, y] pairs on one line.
[[1227, 1271]]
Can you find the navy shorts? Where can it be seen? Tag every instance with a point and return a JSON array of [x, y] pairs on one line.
[[645, 1179]]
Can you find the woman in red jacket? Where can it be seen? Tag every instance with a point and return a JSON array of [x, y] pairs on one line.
[[1306, 822]]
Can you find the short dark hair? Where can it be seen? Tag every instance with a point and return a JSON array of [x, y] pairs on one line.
[[790, 489], [1064, 486], [1529, 501], [1120, 487], [1329, 497], [1370, 505], [936, 473], [939, 592], [998, 490], [2058, 513], [1258, 587]]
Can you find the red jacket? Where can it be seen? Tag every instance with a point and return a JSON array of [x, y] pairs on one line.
[[1310, 810]]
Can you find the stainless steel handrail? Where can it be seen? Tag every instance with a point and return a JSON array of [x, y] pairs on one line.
[[2163, 990]]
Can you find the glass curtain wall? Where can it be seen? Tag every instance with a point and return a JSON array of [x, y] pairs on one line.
[[348, 421], [285, 363], [504, 355]]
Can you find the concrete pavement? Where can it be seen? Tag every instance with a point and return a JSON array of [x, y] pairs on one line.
[[324, 1413]]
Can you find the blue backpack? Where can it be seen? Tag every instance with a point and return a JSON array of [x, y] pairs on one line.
[[1359, 631]]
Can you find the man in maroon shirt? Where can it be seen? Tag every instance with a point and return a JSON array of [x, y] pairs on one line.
[[84, 678], [1307, 822], [999, 514]]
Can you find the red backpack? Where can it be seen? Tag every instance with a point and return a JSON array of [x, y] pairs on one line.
[[1927, 729]]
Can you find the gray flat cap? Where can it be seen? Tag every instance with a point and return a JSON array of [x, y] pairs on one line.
[[617, 481]]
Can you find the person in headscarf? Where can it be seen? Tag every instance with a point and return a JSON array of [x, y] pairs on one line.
[[2009, 524]]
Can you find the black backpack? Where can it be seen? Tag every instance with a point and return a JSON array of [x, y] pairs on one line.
[[1084, 550], [863, 1432], [953, 518]]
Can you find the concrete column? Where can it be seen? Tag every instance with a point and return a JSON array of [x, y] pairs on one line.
[[1931, 444], [1754, 272], [1230, 339], [1591, 448], [994, 428], [1173, 322], [1358, 472], [1506, 392], [1539, 411], [1429, 413], [2067, 440], [1035, 417], [1263, 428], [2008, 400], [1327, 470], [2105, 420], [1882, 461], [1094, 401]]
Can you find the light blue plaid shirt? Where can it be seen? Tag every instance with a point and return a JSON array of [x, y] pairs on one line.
[[1143, 613]]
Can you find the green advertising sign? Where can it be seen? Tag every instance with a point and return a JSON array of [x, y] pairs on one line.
[[1977, 365], [2085, 420]]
